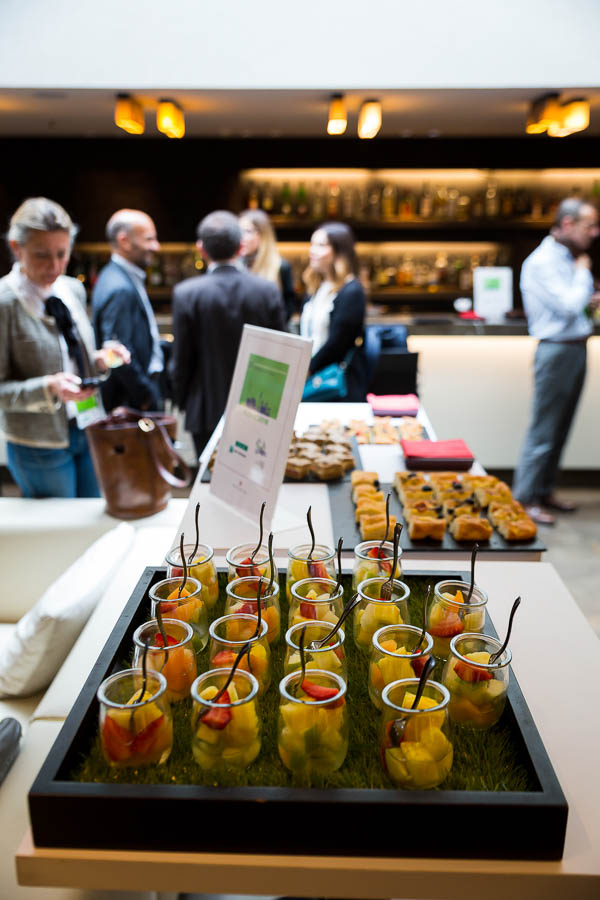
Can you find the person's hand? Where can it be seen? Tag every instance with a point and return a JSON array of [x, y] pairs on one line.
[[66, 386], [584, 261], [111, 355]]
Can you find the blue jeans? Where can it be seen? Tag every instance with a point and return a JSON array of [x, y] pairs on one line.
[[43, 472]]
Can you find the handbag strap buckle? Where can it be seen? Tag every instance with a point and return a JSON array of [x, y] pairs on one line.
[[146, 425]]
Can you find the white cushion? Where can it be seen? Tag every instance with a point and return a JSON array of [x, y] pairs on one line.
[[149, 549], [44, 636]]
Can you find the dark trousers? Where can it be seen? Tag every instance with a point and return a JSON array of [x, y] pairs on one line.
[[61, 472], [559, 377], [201, 439]]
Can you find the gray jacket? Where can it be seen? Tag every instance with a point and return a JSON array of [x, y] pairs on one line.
[[29, 353]]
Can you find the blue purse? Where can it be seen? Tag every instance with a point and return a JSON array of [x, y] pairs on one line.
[[329, 384]]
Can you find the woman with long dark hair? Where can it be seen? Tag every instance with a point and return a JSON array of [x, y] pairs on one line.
[[334, 313]]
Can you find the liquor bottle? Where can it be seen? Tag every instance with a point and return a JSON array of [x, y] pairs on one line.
[[407, 206], [318, 202], [361, 206], [465, 279], [441, 267], [154, 273], [389, 201], [301, 201], [187, 268], [286, 199], [253, 201], [478, 205], [453, 198], [537, 208], [522, 203], [406, 272], [440, 203], [463, 207], [507, 203], [492, 202], [171, 270], [389, 273], [348, 202], [454, 272], [426, 203], [268, 198], [374, 209], [333, 200]]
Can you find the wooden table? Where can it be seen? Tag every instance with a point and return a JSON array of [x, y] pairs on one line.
[[556, 658]]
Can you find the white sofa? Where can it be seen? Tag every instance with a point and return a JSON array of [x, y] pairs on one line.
[[39, 539]]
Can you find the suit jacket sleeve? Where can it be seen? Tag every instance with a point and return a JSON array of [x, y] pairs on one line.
[[346, 323], [182, 360], [277, 310], [290, 300], [114, 323]]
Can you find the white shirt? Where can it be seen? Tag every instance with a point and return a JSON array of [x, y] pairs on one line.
[[138, 276], [314, 322], [555, 293]]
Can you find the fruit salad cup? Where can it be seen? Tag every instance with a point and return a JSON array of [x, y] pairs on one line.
[[372, 559], [373, 612], [240, 564], [135, 729], [189, 607], [449, 615], [225, 732], [227, 637], [316, 600], [321, 565], [241, 598], [394, 656], [176, 661], [331, 657], [202, 567], [313, 723], [416, 749], [477, 688]]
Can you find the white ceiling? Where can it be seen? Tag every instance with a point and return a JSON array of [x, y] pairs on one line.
[[281, 113]]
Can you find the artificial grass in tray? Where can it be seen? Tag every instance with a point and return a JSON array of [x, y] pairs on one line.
[[493, 760]]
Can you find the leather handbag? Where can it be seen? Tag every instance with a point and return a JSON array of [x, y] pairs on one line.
[[328, 384], [135, 459]]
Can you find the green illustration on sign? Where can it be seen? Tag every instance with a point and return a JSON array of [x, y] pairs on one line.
[[264, 384]]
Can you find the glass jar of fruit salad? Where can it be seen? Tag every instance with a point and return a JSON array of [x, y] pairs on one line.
[[242, 597], [201, 567], [397, 652], [227, 637], [187, 605], [320, 565], [225, 731], [136, 725], [449, 614], [372, 558], [477, 687], [176, 661], [316, 600], [331, 657], [373, 610], [416, 746], [240, 563], [312, 734]]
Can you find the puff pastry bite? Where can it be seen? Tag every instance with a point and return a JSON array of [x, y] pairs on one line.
[[422, 527], [470, 528], [372, 528]]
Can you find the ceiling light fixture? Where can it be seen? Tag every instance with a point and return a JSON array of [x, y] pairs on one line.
[[170, 119], [129, 114], [338, 119], [558, 119], [369, 119]]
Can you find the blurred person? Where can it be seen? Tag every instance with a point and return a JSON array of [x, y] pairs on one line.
[[334, 313], [122, 311], [46, 348], [209, 314], [558, 290], [260, 255]]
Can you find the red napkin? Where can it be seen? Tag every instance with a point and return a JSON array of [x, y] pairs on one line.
[[393, 404], [431, 454], [471, 315]]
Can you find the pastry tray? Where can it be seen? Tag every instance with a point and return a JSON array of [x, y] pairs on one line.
[[258, 819], [344, 526]]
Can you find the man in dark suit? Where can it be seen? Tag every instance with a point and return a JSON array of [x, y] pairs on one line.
[[122, 311], [209, 313]]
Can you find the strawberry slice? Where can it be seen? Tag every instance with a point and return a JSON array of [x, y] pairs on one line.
[[218, 718], [377, 553], [319, 692], [246, 568], [307, 610], [418, 665], [158, 640], [448, 627], [117, 740], [251, 608], [224, 658], [470, 673], [145, 738], [167, 607], [317, 570]]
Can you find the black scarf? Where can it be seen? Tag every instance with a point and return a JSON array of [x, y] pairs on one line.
[[67, 327]]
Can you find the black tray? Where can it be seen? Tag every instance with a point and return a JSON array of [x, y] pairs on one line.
[[365, 822], [345, 526]]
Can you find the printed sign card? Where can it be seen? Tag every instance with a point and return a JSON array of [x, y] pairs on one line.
[[492, 291], [267, 385]]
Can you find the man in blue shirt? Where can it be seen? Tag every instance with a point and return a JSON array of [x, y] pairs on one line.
[[558, 292]]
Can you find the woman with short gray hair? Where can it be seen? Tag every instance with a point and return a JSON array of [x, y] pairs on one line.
[[47, 353]]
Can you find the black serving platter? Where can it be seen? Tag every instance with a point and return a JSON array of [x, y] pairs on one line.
[[345, 526], [275, 820]]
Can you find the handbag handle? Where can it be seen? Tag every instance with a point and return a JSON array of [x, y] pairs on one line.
[[152, 426]]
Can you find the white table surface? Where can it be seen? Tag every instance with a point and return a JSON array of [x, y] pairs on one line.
[[556, 658]]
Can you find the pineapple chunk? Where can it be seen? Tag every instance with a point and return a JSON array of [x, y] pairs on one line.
[[480, 657]]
